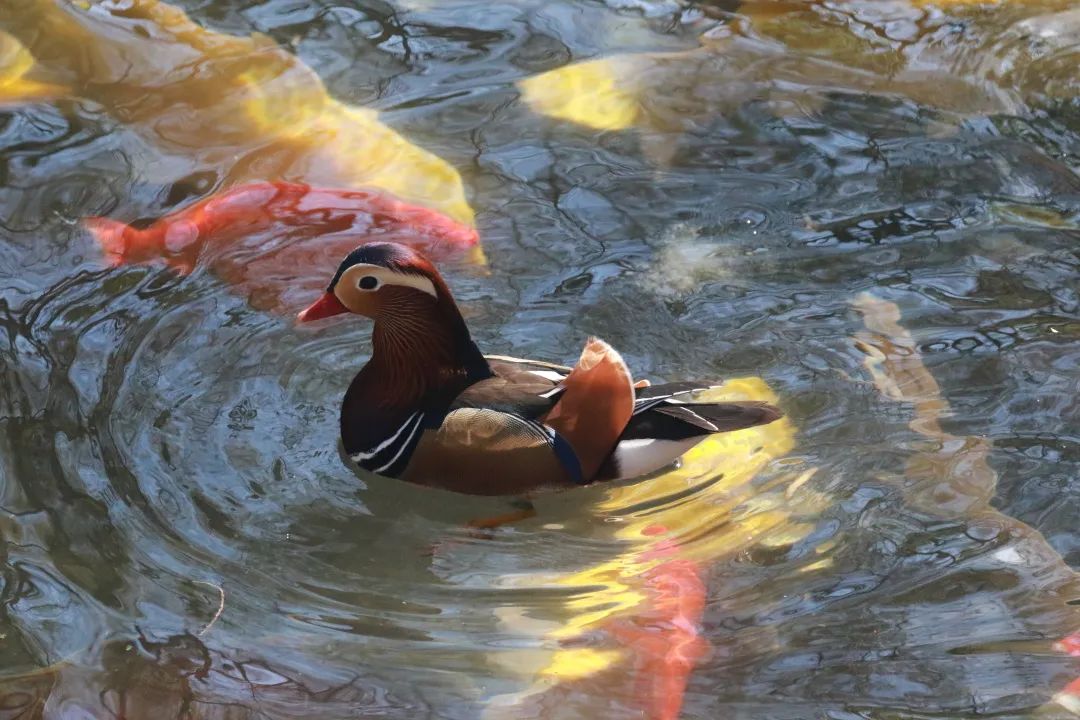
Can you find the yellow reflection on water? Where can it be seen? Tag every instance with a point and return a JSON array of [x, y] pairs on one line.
[[601, 94], [708, 509], [734, 493]]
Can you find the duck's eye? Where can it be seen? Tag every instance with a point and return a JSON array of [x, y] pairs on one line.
[[368, 282]]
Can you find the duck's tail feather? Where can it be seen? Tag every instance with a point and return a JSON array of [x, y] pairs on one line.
[[723, 417], [596, 404], [658, 436]]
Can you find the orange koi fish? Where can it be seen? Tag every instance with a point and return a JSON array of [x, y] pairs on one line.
[[260, 237], [1069, 696], [1069, 645], [665, 641]]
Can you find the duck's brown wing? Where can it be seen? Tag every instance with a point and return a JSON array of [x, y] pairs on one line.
[[480, 451], [526, 388], [575, 415]]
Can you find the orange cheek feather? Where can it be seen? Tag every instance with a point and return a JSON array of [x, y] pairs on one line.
[[275, 242]]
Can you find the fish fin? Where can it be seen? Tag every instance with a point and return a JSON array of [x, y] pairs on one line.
[[122, 244], [111, 236]]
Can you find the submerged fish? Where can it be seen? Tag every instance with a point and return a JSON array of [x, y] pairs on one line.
[[1069, 645], [665, 641], [16, 64], [259, 237], [243, 108], [794, 56], [637, 615], [1069, 697]]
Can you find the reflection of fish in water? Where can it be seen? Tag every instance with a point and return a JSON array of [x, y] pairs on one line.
[[666, 639], [1069, 697], [1070, 645], [259, 236], [953, 477], [243, 107]]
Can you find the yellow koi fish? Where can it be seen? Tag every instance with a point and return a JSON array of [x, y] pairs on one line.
[[16, 64], [242, 106], [792, 54]]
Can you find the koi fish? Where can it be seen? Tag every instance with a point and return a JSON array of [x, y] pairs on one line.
[[16, 64], [1069, 697], [243, 108], [1069, 645], [648, 600], [665, 640], [795, 55], [258, 237]]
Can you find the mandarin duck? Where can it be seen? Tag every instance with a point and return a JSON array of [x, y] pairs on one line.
[[431, 409]]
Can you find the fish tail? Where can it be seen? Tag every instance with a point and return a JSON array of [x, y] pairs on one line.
[[1069, 697], [113, 237], [475, 255], [22, 92]]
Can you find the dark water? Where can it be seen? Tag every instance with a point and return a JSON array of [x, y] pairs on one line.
[[182, 538]]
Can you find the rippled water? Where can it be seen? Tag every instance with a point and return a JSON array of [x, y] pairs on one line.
[[867, 211]]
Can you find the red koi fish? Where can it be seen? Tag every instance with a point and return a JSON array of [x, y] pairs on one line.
[[1069, 696], [273, 241], [1069, 645], [665, 641]]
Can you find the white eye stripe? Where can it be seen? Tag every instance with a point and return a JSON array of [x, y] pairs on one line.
[[386, 276]]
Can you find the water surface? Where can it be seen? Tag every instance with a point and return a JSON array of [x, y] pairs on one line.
[[718, 191]]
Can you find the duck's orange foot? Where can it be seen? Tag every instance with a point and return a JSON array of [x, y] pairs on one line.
[[482, 527]]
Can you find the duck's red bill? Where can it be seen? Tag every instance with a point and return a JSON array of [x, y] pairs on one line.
[[324, 307]]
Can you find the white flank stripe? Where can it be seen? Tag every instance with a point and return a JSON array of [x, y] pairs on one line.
[[674, 399], [385, 443], [402, 448]]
